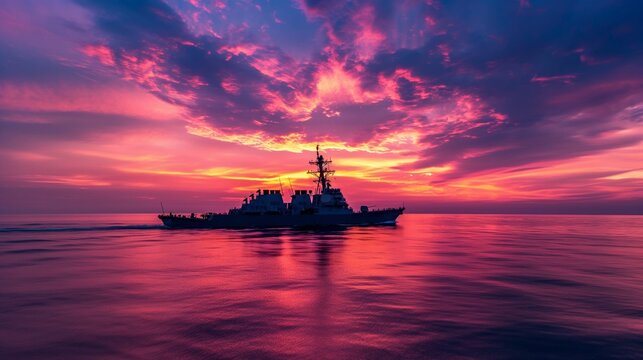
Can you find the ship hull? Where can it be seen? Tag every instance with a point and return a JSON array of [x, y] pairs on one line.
[[242, 221]]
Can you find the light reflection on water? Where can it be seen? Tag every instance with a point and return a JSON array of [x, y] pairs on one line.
[[454, 286]]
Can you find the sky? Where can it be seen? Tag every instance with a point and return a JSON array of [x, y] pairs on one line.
[[443, 106]]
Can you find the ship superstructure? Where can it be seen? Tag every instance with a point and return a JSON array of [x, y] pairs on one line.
[[266, 208]]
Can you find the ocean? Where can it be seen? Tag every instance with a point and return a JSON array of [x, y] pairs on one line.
[[433, 286]]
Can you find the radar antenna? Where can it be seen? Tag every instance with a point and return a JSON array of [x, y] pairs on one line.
[[321, 172]]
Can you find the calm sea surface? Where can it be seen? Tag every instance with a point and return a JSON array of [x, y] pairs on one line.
[[434, 286]]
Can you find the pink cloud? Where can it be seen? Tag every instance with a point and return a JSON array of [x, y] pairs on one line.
[[101, 52], [245, 49], [368, 38], [567, 79], [229, 85]]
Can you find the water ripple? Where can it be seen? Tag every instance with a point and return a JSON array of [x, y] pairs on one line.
[[434, 286]]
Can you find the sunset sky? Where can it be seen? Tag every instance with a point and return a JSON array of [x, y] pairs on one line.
[[455, 106]]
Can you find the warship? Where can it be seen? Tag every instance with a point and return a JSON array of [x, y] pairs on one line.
[[326, 206]]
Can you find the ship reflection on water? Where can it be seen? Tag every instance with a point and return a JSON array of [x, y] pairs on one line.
[[271, 242], [446, 286]]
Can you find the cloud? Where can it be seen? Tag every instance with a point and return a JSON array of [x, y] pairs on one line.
[[461, 90], [248, 90]]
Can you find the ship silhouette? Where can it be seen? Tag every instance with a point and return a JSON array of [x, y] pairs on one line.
[[326, 206]]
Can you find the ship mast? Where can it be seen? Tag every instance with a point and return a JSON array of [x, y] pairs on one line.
[[321, 172]]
